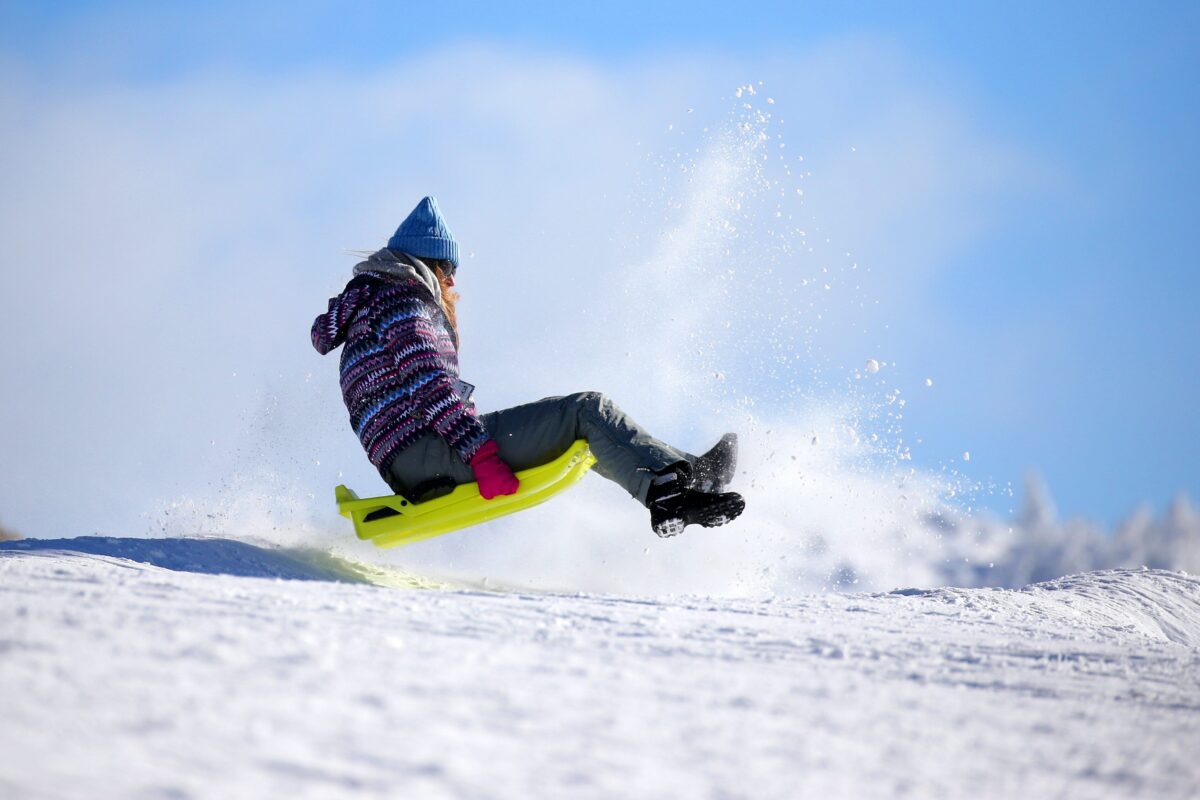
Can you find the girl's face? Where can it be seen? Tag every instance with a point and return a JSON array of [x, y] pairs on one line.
[[446, 270]]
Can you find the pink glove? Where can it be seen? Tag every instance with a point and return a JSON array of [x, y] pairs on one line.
[[491, 473]]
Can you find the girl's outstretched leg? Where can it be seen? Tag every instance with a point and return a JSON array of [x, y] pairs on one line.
[[658, 475], [661, 477], [626, 453]]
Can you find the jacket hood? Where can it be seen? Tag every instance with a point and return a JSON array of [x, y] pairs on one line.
[[331, 328]]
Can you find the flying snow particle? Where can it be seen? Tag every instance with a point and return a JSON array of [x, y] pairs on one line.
[[967, 455], [929, 381], [872, 365]]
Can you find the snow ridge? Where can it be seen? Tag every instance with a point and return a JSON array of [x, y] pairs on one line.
[[1159, 605]]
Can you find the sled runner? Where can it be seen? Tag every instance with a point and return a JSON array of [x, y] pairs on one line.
[[394, 520]]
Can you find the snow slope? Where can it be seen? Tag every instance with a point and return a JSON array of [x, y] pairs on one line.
[[126, 679]]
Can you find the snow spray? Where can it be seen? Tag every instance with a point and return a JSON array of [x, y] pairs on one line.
[[717, 320], [731, 301]]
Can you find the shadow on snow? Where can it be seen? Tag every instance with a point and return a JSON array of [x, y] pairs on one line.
[[205, 556]]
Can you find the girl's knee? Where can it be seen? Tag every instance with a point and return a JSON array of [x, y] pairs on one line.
[[593, 401]]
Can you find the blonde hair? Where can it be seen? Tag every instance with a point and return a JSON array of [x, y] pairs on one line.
[[449, 296]]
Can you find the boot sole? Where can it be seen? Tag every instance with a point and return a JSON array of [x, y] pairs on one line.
[[712, 516], [718, 513]]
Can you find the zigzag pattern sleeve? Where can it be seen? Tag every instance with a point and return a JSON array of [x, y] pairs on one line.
[[454, 419], [329, 329], [425, 358], [447, 413]]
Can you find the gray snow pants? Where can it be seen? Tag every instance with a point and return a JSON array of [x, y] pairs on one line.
[[536, 433]]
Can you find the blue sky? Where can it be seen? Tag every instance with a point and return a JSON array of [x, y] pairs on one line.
[[1057, 317]]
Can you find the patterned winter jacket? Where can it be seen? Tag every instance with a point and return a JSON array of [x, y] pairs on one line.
[[399, 369]]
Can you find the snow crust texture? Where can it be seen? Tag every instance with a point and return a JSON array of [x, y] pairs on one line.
[[125, 679]]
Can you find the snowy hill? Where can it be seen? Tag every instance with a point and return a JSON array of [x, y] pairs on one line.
[[175, 669]]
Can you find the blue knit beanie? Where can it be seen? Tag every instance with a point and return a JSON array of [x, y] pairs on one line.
[[424, 234]]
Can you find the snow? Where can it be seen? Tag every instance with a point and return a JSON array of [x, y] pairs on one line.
[[168, 668]]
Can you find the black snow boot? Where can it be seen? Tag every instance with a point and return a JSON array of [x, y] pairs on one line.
[[713, 471], [673, 505]]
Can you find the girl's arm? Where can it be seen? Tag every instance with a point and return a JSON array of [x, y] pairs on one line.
[[329, 329], [453, 417], [439, 401], [410, 330]]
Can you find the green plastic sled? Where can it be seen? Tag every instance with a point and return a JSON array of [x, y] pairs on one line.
[[393, 520]]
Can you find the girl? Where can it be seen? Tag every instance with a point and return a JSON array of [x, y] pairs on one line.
[[399, 375]]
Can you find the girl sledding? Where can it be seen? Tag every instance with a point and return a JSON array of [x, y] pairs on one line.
[[397, 326]]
